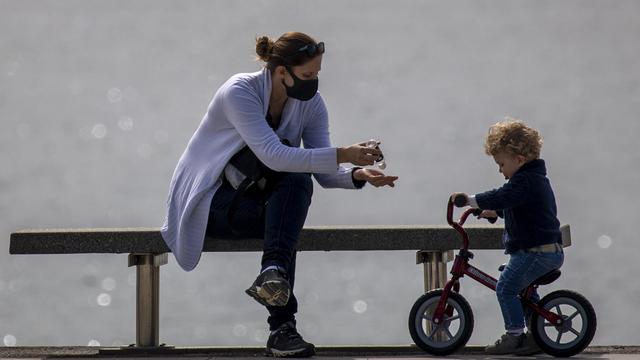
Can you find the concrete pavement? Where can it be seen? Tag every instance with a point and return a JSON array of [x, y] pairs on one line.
[[326, 352]]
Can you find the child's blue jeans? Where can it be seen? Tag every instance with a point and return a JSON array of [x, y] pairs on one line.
[[522, 269]]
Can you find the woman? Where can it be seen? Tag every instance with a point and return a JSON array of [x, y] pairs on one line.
[[263, 111]]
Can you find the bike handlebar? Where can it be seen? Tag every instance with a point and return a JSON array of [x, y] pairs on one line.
[[461, 201]]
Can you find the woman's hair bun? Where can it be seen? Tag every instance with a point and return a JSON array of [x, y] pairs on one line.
[[264, 46]]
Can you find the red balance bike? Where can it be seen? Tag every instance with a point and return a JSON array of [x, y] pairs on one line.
[[563, 322]]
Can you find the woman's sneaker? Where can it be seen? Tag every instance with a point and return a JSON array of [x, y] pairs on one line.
[[287, 342], [270, 289]]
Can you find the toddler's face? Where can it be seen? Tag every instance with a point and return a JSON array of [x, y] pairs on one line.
[[508, 164]]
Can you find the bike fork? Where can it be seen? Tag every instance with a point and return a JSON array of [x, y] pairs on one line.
[[443, 308]]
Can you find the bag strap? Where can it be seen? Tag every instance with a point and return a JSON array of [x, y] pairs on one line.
[[235, 202]]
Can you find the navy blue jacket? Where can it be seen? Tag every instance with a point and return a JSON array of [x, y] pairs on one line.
[[528, 206]]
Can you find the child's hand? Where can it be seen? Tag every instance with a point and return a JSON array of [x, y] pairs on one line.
[[459, 195], [487, 214]]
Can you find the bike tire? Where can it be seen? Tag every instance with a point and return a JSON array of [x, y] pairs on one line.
[[431, 343], [558, 300]]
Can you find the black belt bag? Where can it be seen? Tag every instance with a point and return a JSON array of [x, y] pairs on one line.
[[245, 172]]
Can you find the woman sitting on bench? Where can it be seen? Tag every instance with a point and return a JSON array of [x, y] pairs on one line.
[[244, 174]]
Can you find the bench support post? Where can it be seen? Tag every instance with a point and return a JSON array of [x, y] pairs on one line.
[[435, 267], [147, 297]]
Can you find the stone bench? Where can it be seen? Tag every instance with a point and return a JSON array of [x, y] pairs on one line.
[[147, 251]]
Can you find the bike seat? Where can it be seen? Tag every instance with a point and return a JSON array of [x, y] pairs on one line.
[[545, 279]]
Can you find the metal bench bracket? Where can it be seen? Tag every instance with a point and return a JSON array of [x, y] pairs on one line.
[[147, 297], [435, 267]]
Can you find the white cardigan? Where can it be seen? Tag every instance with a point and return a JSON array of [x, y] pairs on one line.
[[235, 117]]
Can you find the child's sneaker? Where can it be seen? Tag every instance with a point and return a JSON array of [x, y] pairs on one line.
[[529, 346], [507, 344], [270, 289]]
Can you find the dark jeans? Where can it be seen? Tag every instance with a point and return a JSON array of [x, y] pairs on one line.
[[279, 221]]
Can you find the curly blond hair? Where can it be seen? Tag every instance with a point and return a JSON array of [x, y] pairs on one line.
[[513, 137]]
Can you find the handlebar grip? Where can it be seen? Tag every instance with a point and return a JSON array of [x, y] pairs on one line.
[[460, 201]]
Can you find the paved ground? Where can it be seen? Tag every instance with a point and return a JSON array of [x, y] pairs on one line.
[[355, 352]]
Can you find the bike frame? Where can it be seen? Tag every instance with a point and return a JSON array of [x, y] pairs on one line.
[[461, 267]]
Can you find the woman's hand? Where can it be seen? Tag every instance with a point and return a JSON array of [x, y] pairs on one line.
[[358, 154], [374, 177]]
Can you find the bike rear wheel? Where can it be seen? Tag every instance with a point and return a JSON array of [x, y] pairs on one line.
[[451, 334], [577, 331]]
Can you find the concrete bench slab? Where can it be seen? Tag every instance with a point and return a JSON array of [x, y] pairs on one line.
[[317, 238], [147, 251]]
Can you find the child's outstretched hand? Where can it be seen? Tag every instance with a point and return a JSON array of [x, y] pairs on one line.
[[488, 214], [460, 194]]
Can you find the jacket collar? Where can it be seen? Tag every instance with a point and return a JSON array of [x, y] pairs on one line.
[[266, 89], [535, 165]]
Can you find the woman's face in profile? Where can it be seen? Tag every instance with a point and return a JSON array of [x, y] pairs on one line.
[[306, 71]]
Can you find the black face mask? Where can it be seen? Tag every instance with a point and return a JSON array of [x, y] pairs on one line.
[[302, 89]]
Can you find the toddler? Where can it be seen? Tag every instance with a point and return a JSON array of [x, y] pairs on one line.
[[532, 237]]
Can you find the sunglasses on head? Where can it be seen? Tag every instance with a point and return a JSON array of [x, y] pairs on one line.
[[311, 49]]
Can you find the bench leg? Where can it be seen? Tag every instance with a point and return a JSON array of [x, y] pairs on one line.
[[147, 297], [435, 267]]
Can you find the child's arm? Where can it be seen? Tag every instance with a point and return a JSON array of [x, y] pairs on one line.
[[510, 195], [458, 198], [488, 214]]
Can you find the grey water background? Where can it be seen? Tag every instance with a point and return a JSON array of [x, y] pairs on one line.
[[99, 98]]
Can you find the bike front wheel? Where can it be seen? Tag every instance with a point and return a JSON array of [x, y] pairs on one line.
[[451, 334], [577, 329]]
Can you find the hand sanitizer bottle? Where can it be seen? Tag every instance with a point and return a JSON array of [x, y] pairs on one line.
[[375, 144]]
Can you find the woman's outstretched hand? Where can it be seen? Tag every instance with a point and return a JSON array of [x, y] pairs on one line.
[[374, 177], [358, 154]]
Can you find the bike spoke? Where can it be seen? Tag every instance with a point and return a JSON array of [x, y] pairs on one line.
[[574, 315], [449, 334], [559, 336], [454, 318], [428, 318], [558, 309], [574, 332], [433, 332]]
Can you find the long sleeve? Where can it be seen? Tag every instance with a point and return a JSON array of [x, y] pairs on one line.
[[316, 135], [474, 203], [235, 118], [510, 195], [244, 110]]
